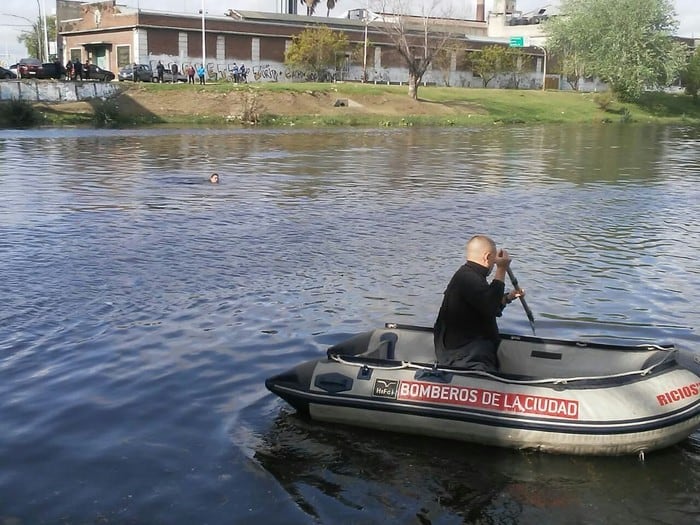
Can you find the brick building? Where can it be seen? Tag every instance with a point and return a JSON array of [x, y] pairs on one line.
[[112, 36]]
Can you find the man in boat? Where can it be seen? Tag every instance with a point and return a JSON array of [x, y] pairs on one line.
[[465, 331]]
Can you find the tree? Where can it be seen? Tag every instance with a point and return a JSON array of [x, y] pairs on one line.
[[563, 44], [574, 69], [417, 39], [691, 76], [446, 58], [316, 50], [626, 43], [33, 39], [516, 61], [310, 6], [490, 62]]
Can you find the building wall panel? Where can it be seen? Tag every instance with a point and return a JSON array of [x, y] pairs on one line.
[[163, 42]]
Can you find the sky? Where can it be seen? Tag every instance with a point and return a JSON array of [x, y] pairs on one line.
[[16, 15]]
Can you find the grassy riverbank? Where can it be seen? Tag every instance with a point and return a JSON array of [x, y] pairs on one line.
[[307, 104]]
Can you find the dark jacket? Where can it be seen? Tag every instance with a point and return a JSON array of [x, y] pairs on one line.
[[470, 307]]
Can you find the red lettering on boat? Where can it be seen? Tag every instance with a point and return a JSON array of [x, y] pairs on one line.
[[677, 394], [488, 399]]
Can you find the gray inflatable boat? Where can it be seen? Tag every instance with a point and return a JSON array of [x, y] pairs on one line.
[[549, 395]]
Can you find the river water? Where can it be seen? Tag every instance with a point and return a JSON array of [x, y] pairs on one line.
[[142, 308]]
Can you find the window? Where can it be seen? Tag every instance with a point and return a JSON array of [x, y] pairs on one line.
[[123, 56]]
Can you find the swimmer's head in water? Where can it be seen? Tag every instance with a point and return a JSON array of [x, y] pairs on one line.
[[214, 178]]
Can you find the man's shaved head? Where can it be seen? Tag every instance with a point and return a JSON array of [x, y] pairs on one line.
[[478, 246]]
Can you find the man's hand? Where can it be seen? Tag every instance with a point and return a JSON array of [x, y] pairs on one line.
[[515, 294], [502, 259]]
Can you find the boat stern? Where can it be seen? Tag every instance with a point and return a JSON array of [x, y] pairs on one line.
[[689, 360]]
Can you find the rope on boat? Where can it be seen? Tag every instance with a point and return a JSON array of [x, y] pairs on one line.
[[551, 380]]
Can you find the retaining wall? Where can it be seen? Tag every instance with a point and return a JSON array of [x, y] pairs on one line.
[[55, 90]]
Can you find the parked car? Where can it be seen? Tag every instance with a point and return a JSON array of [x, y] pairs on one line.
[[51, 70], [144, 73], [28, 67], [95, 72], [6, 74], [168, 76]]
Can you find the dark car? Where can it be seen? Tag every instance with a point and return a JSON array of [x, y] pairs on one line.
[[95, 72], [28, 67], [51, 70], [6, 74], [144, 73]]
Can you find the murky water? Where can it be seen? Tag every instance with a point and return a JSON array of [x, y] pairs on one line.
[[141, 309]]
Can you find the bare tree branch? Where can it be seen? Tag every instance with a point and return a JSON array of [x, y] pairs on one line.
[[417, 38]]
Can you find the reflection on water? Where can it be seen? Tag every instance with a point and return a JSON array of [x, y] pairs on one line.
[[408, 479], [142, 309]]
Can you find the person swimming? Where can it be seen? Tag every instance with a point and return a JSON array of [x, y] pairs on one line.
[[214, 178]]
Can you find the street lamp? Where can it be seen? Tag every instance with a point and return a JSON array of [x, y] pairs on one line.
[[364, 59], [204, 43], [42, 14], [544, 66], [544, 62]]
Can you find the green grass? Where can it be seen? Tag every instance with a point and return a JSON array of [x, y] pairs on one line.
[[470, 107], [481, 106]]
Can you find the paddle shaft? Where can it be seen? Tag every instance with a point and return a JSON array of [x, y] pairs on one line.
[[530, 317]]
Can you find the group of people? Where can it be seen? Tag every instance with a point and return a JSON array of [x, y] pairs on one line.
[[190, 71], [76, 70], [240, 73]]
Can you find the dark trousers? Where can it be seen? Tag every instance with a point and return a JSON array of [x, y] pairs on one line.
[[478, 354]]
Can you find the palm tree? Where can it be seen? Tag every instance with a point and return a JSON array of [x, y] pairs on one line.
[[310, 6], [330, 4]]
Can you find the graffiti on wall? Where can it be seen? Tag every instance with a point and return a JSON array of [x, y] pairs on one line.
[[269, 72], [277, 72]]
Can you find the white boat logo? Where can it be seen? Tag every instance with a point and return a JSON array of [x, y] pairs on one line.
[[385, 388]]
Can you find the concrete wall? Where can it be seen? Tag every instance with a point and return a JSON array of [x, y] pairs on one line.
[[55, 91]]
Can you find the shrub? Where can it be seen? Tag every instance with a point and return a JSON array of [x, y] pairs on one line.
[[252, 108], [19, 114], [106, 113], [603, 100]]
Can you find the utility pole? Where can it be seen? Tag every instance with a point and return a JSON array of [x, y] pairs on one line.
[[46, 30], [204, 43]]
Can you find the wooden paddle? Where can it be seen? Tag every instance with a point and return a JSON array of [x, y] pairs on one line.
[[530, 317]]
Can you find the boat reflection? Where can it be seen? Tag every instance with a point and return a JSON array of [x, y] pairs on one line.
[[335, 473]]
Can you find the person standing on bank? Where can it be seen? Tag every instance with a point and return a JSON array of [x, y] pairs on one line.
[[465, 331], [160, 70], [77, 69], [200, 74]]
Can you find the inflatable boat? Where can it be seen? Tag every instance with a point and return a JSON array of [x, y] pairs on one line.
[[550, 395]]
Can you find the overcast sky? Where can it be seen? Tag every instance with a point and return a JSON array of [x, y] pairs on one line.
[[15, 15]]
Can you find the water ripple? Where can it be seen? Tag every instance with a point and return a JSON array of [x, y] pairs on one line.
[[142, 309]]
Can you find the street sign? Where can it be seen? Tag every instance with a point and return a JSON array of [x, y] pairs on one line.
[[517, 41]]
